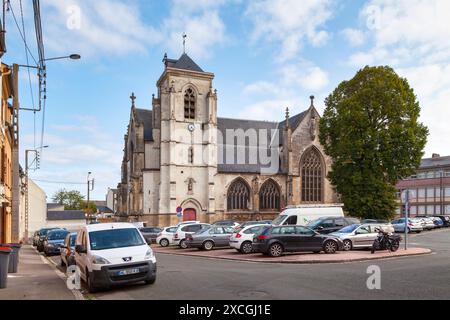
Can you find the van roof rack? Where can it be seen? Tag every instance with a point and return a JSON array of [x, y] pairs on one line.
[[315, 205]]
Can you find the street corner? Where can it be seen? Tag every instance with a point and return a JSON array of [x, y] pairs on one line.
[[294, 258]]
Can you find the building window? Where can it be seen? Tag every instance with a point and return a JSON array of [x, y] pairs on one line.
[[269, 196], [447, 209], [447, 191], [421, 175], [189, 104], [191, 155], [430, 194], [421, 193], [430, 174], [238, 197], [312, 177]]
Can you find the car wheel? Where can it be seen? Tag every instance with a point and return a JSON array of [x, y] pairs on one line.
[[330, 247], [348, 245], [89, 283], [246, 247], [275, 250], [150, 281], [164, 243], [208, 245], [183, 244]]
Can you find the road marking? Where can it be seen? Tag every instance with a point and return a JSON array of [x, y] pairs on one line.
[[77, 294]]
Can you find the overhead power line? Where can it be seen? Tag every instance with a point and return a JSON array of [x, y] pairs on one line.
[[59, 182]]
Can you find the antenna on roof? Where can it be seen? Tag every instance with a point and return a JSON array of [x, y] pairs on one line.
[[184, 43]]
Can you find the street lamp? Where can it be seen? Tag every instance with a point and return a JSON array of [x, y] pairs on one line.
[[74, 56]]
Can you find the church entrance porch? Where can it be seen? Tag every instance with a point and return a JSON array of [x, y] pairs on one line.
[[189, 214]]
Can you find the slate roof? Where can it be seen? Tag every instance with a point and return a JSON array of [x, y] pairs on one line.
[[248, 166], [104, 209], [65, 215], [435, 162], [144, 116], [184, 63]]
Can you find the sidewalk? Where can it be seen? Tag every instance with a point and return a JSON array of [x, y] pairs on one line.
[[304, 257], [35, 280]]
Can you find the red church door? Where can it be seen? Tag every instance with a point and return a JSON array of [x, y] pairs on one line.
[[189, 215]]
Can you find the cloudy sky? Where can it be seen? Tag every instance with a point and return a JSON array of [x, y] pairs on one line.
[[266, 54]]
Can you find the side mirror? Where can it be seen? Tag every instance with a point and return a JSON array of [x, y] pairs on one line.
[[80, 249]]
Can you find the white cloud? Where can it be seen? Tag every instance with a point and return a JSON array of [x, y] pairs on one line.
[[354, 37], [290, 22], [305, 75]]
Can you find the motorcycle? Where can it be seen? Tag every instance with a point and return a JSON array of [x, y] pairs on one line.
[[386, 241]]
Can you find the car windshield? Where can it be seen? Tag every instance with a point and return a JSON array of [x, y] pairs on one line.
[[349, 229], [115, 238], [57, 235], [278, 220], [314, 223], [45, 231]]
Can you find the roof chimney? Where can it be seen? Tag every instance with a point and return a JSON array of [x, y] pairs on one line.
[[435, 155]]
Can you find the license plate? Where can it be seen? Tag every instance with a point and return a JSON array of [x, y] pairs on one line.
[[127, 272]]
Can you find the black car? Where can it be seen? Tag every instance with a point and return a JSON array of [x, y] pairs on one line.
[[54, 241], [275, 240], [327, 225], [42, 235]]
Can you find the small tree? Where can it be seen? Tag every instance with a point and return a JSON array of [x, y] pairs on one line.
[[370, 129], [72, 200], [91, 208]]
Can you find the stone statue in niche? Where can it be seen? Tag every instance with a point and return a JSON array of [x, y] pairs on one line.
[[255, 182], [190, 185]]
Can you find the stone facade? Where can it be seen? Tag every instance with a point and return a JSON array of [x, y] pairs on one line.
[[178, 154]]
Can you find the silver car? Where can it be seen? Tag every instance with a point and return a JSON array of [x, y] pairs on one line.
[[216, 236], [361, 235]]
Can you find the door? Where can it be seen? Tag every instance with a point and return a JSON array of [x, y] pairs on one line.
[[306, 240], [363, 237], [189, 215], [288, 237]]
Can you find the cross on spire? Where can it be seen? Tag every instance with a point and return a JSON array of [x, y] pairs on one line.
[[184, 42], [133, 98], [312, 101]]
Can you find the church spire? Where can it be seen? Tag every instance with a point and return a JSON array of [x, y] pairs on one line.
[[287, 117], [133, 98], [184, 43], [312, 101]]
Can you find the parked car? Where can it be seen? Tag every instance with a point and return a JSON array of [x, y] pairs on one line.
[[414, 225], [226, 223], [275, 240], [150, 233], [206, 239], [361, 235], [54, 240], [110, 254], [445, 219], [35, 238], [41, 239], [427, 222], [327, 225], [67, 251], [165, 237], [303, 214], [364, 221], [179, 238], [438, 222], [242, 237], [250, 223]]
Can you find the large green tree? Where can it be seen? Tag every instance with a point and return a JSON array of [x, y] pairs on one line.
[[72, 200], [370, 128]]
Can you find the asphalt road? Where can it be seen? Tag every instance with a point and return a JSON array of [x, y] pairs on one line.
[[181, 277]]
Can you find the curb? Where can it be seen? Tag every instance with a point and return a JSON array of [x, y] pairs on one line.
[[305, 262]]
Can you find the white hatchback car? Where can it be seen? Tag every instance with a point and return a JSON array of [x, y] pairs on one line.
[[109, 254], [165, 237], [179, 238], [242, 238]]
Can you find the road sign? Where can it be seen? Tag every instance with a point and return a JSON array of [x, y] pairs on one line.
[[179, 209], [179, 214]]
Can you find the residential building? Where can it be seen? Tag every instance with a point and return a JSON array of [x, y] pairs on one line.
[[180, 154], [429, 188], [7, 142], [37, 209]]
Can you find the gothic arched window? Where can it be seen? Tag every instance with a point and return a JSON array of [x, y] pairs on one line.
[[238, 197], [311, 171], [269, 196], [189, 104]]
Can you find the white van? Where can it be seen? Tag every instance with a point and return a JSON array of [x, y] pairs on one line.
[[303, 214], [110, 254]]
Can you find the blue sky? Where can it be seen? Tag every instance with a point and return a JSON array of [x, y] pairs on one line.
[[266, 55]]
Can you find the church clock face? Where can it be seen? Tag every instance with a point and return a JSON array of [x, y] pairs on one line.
[[191, 127]]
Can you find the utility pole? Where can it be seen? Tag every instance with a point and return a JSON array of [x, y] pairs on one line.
[[90, 187], [15, 158]]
